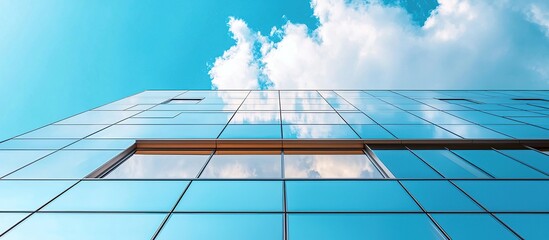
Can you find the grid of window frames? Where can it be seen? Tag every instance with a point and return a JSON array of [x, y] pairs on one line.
[[386, 193]]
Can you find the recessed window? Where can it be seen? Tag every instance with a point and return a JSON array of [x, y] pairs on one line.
[[458, 100], [185, 100]]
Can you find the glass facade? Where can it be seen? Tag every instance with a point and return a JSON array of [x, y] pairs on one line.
[[285, 165]]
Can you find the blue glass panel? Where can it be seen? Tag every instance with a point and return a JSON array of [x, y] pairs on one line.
[[372, 132], [395, 117], [160, 166], [440, 196], [329, 166], [223, 226], [66, 164], [311, 118], [251, 132], [185, 118], [230, 196], [259, 107], [533, 158], [474, 132], [419, 132], [403, 164], [306, 107], [449, 164], [361, 226], [105, 195], [157, 114], [84, 226], [99, 144], [509, 196], [318, 131], [350, 196], [528, 226], [42, 144], [243, 166], [160, 131], [29, 195], [473, 226], [356, 118], [11, 160], [532, 120], [9, 219], [515, 113], [498, 165], [256, 118], [521, 131], [482, 118], [98, 117], [64, 131], [438, 117]]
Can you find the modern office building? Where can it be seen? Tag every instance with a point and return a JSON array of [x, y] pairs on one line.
[[285, 165]]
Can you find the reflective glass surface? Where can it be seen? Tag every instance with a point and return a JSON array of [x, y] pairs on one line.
[[329, 166], [361, 226], [419, 132], [256, 118], [356, 118], [83, 226], [66, 164], [232, 196], [473, 226], [99, 144], [521, 131], [28, 195], [528, 226], [160, 131], [159, 166], [311, 118], [9, 219], [223, 226], [251, 132], [318, 131], [11, 160], [372, 132], [63, 131], [509, 196], [498, 165], [107, 195], [474, 132], [243, 166], [449, 164], [533, 158], [42, 144], [403, 164], [440, 196], [350, 196], [98, 117]]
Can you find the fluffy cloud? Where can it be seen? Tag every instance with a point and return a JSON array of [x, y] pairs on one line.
[[463, 44]]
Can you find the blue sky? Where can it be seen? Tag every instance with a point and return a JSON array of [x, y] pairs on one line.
[[61, 57]]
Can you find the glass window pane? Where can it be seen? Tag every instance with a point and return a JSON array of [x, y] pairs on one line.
[[528, 226], [438, 117], [403, 164], [329, 166], [243, 166], [28, 195], [361, 226], [160, 131], [256, 118], [66, 164], [99, 144], [105, 195], [521, 131], [419, 132], [230, 196], [440, 196], [395, 117], [498, 165], [7, 220], [372, 132], [350, 196], [473, 226], [318, 132], [11, 160], [533, 158], [84, 226], [251, 132], [223, 226], [98, 117], [40, 144], [474, 132], [64, 131], [356, 118], [481, 118], [509, 196], [449, 164], [311, 118], [160, 166]]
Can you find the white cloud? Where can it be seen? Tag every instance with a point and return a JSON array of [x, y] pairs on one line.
[[463, 44]]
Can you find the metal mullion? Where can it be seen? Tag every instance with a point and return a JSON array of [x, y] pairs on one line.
[[235, 112], [421, 159], [348, 125], [205, 164], [168, 216], [385, 172]]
